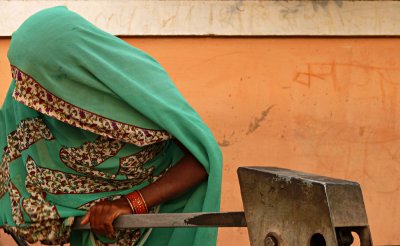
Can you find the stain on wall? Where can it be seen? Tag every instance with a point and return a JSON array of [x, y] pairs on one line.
[[326, 106], [257, 121]]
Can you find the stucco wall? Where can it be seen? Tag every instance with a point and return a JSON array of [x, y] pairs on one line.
[[216, 17], [326, 106]]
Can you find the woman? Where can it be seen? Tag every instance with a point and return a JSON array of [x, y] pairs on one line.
[[94, 127]]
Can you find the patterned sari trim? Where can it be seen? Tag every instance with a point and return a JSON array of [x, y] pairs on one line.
[[57, 182], [83, 159], [35, 206], [16, 210], [132, 165], [30, 93], [48, 232], [91, 154], [28, 132], [45, 224]]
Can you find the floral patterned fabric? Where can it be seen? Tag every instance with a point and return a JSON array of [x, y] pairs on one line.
[[43, 220], [28, 132]]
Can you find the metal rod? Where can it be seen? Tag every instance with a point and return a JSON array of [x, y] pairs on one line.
[[225, 219]]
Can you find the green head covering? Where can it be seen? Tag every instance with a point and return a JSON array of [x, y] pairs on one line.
[[88, 117]]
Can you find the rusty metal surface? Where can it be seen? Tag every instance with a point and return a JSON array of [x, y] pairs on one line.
[[347, 205], [300, 208]]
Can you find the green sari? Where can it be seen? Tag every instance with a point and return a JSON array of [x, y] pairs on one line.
[[89, 117]]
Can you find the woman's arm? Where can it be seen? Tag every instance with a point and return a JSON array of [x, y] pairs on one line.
[[187, 173]]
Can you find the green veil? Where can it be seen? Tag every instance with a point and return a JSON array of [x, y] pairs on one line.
[[89, 117]]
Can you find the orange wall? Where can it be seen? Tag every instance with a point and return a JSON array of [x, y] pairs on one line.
[[326, 106]]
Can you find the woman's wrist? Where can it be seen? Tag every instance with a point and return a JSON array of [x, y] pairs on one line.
[[130, 204], [123, 205]]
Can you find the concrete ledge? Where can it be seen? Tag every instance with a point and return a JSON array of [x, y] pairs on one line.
[[222, 18]]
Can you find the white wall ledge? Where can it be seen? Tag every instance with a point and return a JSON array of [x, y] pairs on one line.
[[221, 17]]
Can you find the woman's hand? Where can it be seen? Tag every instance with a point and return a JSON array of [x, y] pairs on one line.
[[102, 215], [184, 175]]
